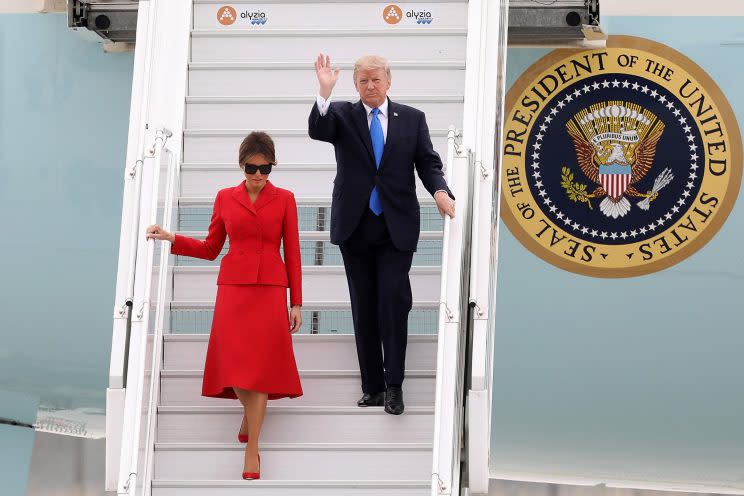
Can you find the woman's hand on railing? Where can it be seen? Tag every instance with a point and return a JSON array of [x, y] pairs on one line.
[[295, 318], [157, 232]]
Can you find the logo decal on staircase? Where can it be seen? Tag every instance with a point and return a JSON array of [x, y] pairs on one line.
[[618, 162], [227, 15], [421, 16], [392, 14]]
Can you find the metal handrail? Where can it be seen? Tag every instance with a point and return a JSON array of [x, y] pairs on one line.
[[135, 174], [466, 322], [161, 137], [160, 314], [438, 485], [448, 416], [116, 395], [141, 321]]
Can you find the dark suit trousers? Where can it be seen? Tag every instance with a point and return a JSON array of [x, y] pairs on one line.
[[381, 299]]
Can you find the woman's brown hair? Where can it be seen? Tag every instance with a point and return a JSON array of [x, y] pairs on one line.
[[255, 143]]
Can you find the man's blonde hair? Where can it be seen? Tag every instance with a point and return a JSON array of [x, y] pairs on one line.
[[372, 62]]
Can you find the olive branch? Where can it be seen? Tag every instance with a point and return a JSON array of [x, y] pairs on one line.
[[575, 191]]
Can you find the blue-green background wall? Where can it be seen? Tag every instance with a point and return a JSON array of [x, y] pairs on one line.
[[657, 394], [64, 107]]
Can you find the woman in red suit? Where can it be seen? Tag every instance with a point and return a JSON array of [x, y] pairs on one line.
[[250, 353]]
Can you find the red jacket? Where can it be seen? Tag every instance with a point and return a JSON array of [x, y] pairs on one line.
[[255, 232]]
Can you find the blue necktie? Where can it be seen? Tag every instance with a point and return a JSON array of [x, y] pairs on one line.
[[378, 145]]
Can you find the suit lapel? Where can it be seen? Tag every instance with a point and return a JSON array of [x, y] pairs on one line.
[[359, 116], [241, 195], [266, 196], [392, 130]]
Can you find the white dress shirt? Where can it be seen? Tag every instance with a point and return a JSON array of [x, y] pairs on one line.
[[323, 105]]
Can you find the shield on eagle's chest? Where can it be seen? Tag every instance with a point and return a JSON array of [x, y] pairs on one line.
[[615, 179]]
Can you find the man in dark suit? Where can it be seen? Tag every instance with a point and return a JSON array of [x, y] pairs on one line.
[[375, 214]]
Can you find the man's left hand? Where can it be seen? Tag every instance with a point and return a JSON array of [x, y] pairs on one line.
[[445, 204]]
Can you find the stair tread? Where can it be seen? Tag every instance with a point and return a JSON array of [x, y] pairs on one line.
[[317, 32], [291, 483], [296, 446], [208, 201], [347, 64], [285, 166], [427, 338], [306, 269], [302, 133], [327, 2], [418, 98], [292, 409], [305, 373], [318, 235]]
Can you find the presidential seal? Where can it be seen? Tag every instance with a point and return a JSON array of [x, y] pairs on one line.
[[618, 162]]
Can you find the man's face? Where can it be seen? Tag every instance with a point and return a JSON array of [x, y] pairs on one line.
[[372, 85]]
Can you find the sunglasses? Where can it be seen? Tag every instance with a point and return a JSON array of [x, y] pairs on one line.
[[253, 168]]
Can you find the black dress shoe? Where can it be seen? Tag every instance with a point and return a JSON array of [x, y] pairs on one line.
[[371, 399], [394, 400]]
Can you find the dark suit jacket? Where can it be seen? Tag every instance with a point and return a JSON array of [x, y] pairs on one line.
[[407, 146], [256, 230]]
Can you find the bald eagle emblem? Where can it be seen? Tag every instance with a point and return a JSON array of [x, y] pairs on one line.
[[615, 145]]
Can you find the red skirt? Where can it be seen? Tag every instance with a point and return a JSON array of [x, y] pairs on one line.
[[250, 346]]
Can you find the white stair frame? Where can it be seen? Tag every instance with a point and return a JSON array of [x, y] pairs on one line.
[[482, 123], [482, 117], [158, 93], [124, 293]]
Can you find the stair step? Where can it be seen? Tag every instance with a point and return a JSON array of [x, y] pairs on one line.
[[161, 487], [315, 236], [320, 388], [292, 111], [323, 318], [313, 214], [297, 78], [292, 145], [312, 352], [192, 461], [319, 283], [319, 251], [294, 14], [245, 45], [297, 424], [303, 201], [310, 179], [314, 180]]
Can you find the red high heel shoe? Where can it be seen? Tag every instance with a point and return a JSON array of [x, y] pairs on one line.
[[253, 475]]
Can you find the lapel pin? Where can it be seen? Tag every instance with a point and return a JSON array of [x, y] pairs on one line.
[[395, 114]]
